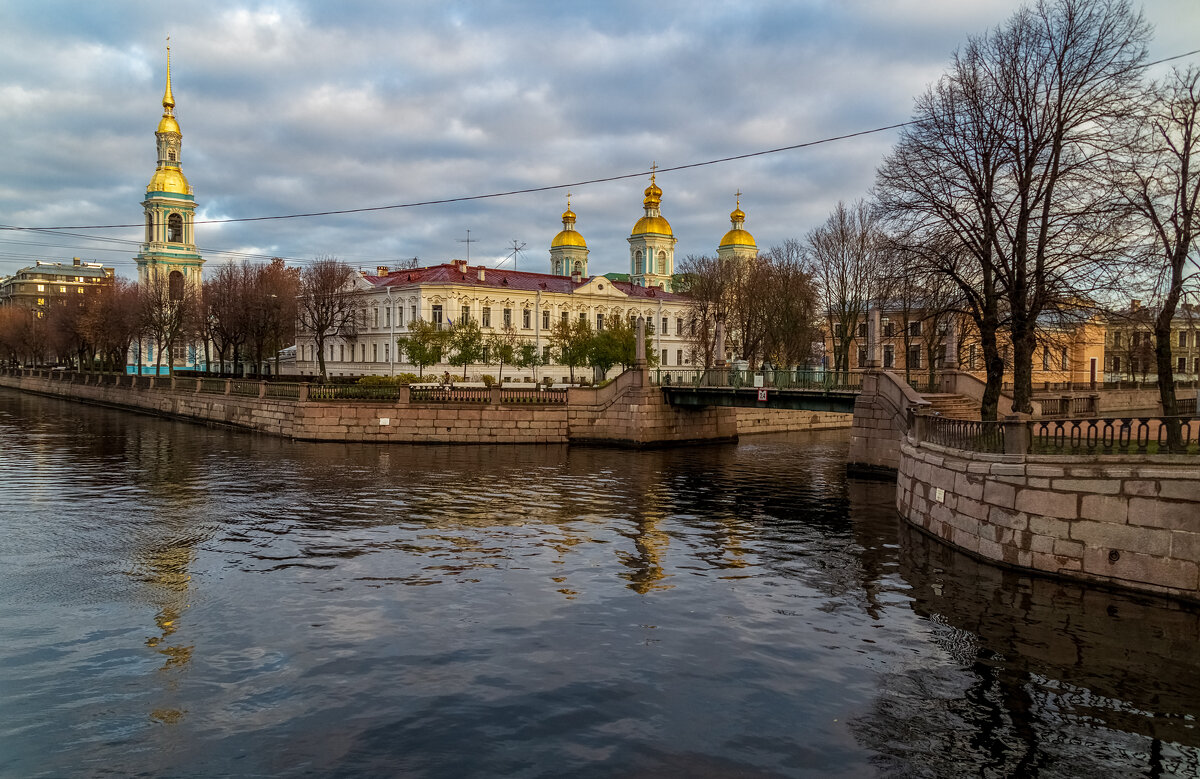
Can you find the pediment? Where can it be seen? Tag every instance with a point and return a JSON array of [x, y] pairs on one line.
[[600, 286]]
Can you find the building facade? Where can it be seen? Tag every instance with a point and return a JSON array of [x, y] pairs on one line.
[[529, 303], [1129, 349], [44, 285]]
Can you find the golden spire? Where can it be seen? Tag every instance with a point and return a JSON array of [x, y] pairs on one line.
[[168, 98], [653, 192]]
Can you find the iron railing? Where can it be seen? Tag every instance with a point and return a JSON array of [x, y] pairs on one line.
[[965, 434], [449, 395], [1116, 435], [533, 395], [776, 379]]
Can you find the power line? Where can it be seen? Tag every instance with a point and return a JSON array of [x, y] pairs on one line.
[[546, 188]]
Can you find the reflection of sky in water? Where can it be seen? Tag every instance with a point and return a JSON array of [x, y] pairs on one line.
[[187, 601]]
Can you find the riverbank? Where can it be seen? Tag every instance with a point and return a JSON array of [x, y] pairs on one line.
[[626, 412]]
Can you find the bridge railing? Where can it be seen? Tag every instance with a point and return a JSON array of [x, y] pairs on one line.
[[1091, 436], [777, 379]]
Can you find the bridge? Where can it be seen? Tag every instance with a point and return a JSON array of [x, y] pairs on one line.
[[782, 389]]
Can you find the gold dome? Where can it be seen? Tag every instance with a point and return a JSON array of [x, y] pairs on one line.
[[568, 238], [652, 224], [169, 180], [653, 194], [737, 215], [738, 238], [168, 125]]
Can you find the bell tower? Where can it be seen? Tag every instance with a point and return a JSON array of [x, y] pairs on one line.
[[169, 249], [568, 250]]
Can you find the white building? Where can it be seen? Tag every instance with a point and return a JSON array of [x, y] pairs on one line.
[[531, 303]]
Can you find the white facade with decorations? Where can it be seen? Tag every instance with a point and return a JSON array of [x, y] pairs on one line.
[[531, 303]]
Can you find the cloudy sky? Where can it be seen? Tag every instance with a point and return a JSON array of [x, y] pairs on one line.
[[296, 107]]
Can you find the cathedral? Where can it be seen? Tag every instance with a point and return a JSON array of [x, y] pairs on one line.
[[529, 303]]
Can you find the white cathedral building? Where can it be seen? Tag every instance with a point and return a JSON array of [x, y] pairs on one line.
[[530, 303]]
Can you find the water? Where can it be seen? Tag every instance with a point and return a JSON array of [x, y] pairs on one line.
[[181, 601]]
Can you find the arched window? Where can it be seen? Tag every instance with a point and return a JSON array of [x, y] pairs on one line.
[[637, 262], [175, 285], [175, 228], [557, 267], [149, 228], [662, 263], [578, 267], [171, 156]]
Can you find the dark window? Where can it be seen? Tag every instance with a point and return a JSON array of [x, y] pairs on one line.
[[914, 328], [175, 285], [862, 330], [546, 320], [526, 318], [175, 228]]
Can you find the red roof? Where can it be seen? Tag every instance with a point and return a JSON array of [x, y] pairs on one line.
[[499, 279]]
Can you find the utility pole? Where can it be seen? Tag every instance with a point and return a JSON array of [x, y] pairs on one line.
[[468, 241]]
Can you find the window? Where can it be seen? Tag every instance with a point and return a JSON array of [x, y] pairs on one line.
[[41, 301], [1046, 358], [862, 357], [888, 330], [914, 328], [662, 263], [464, 315], [387, 352], [1064, 358], [678, 327], [486, 316], [41, 288], [1196, 366], [342, 353], [862, 329], [664, 357], [889, 356], [412, 314], [79, 290], [387, 317], [971, 358], [664, 326], [679, 357], [175, 228], [526, 318], [62, 289], [1183, 338], [1117, 338], [1116, 364], [839, 329], [1182, 366], [914, 357], [599, 321], [693, 324], [374, 352], [376, 318], [564, 316], [546, 319], [436, 312], [637, 262], [582, 316], [507, 318], [546, 355], [175, 285], [400, 316]]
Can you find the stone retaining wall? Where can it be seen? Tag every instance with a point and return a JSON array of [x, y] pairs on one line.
[[880, 423], [1123, 520], [773, 420]]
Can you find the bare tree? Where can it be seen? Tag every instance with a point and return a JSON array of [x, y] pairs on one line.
[[1162, 183], [168, 306], [326, 304], [708, 291], [844, 257], [111, 320]]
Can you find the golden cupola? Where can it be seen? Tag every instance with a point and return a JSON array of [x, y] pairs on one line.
[[168, 176], [737, 242], [568, 236], [568, 250], [653, 222]]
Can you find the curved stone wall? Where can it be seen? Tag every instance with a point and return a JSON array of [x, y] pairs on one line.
[[1123, 520]]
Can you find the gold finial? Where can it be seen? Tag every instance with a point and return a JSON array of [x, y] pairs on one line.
[[653, 168], [738, 195], [168, 98], [568, 200]]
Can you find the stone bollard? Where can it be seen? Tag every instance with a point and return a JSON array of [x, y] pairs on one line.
[[403, 395], [199, 383], [1016, 434], [918, 425], [494, 395], [639, 355], [228, 386], [262, 389], [303, 396]]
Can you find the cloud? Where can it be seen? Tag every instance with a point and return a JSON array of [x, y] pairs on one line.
[[303, 106]]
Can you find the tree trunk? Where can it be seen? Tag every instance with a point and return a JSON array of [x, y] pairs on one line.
[[1024, 342]]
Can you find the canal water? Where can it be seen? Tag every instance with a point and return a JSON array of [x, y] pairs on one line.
[[183, 601]]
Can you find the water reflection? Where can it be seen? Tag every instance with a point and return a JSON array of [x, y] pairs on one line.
[[334, 609]]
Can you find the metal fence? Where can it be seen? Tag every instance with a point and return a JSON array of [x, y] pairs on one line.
[[964, 434], [533, 395], [777, 379], [1118, 435]]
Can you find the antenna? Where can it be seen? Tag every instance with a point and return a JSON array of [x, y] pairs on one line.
[[517, 246], [468, 241]]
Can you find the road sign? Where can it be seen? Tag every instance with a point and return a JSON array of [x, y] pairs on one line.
[[762, 394]]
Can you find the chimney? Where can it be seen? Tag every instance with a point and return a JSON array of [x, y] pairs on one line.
[[576, 276], [481, 273], [76, 260], [381, 270]]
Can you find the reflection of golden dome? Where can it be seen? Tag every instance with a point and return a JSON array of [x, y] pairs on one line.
[[169, 180], [652, 224], [739, 237]]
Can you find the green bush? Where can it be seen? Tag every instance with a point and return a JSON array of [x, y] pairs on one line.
[[548, 381], [376, 381], [409, 378], [488, 380]]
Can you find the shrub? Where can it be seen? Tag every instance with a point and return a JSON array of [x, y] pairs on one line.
[[585, 382], [408, 378], [488, 380], [376, 381], [548, 381]]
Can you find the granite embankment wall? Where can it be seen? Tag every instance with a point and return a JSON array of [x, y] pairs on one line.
[[1126, 520], [881, 413], [628, 412]]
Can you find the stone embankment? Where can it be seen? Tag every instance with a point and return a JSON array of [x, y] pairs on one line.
[[628, 412]]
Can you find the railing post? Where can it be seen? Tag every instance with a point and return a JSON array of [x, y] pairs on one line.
[[228, 386], [403, 394], [173, 384], [199, 383], [494, 396], [1016, 434], [262, 389], [303, 396], [918, 424]]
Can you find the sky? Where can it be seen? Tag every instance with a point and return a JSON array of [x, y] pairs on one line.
[[299, 107]]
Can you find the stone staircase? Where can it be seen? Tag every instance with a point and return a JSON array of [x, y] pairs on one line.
[[952, 406]]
